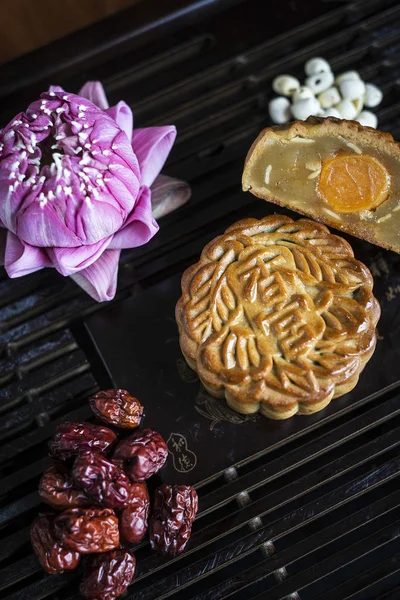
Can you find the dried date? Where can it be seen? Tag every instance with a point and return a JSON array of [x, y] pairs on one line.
[[56, 488], [108, 575], [117, 407], [175, 508], [87, 530], [141, 454], [70, 439], [133, 520], [53, 557], [101, 480]]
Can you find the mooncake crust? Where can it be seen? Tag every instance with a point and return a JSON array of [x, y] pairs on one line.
[[351, 131], [277, 316]]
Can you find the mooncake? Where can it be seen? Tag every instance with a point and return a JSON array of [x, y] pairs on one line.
[[277, 316], [336, 172]]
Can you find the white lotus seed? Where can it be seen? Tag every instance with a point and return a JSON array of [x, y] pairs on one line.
[[358, 104], [305, 108], [373, 95], [279, 110], [329, 97], [347, 75], [316, 65], [285, 85], [352, 89], [320, 82], [346, 109], [368, 119], [331, 112], [303, 93]]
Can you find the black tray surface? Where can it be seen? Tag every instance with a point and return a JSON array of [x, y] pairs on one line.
[[306, 509]]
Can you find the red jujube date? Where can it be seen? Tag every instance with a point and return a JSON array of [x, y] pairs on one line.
[[53, 556], [117, 407], [175, 508], [87, 530], [70, 439], [141, 454], [101, 480]]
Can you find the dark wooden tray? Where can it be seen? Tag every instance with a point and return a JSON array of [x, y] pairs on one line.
[[303, 509]]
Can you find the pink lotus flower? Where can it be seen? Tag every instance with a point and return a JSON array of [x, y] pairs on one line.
[[75, 186]]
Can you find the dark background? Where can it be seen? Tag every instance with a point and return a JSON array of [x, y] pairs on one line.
[[26, 25]]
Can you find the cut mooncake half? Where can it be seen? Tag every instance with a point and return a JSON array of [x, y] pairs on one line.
[[337, 172], [277, 316]]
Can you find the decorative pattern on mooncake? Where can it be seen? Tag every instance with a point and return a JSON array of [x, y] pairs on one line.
[[277, 316]]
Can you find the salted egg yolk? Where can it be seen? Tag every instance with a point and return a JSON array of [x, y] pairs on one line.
[[352, 183]]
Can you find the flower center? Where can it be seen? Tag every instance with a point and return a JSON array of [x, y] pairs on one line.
[[55, 157], [46, 148]]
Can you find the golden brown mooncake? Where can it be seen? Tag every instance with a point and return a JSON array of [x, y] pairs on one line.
[[337, 172], [277, 316]]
